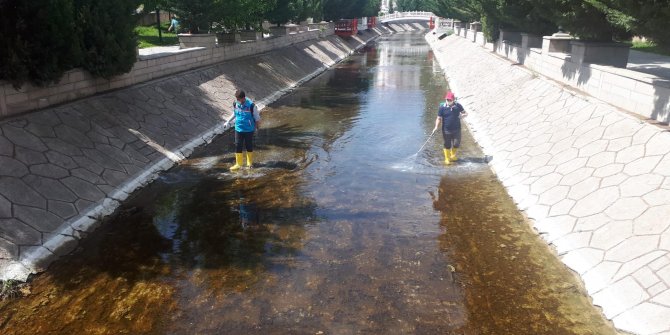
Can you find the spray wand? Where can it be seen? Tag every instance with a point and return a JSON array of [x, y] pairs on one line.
[[424, 144]]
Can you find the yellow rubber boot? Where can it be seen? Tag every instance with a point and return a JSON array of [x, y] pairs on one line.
[[452, 155], [250, 159], [238, 162], [446, 156]]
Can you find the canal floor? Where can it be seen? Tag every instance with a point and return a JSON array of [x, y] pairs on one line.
[[341, 228]]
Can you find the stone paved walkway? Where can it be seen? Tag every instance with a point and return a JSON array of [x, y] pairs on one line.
[[657, 65], [594, 181], [156, 52]]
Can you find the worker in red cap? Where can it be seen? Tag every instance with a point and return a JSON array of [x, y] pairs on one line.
[[450, 114]]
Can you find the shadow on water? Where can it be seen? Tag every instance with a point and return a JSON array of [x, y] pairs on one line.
[[283, 136], [195, 237], [109, 285]]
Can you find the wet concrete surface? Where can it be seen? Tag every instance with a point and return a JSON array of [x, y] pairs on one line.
[[340, 228]]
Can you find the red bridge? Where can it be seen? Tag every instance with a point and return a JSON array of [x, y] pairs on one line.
[[349, 27]]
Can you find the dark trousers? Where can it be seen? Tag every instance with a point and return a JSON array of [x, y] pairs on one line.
[[244, 139], [452, 138]]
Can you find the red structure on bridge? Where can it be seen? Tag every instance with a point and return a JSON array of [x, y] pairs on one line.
[[431, 25], [346, 27], [372, 22], [349, 27]]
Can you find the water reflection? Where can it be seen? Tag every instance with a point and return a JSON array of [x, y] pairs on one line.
[[248, 214]]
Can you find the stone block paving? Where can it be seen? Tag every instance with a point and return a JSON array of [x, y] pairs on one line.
[[63, 168], [594, 180]]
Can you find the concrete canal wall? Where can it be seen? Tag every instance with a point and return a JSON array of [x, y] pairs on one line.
[[63, 169], [640, 89], [594, 180], [77, 83]]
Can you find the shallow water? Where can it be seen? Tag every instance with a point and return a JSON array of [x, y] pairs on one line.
[[341, 228]]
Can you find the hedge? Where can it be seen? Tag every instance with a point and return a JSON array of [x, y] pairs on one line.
[[41, 39]]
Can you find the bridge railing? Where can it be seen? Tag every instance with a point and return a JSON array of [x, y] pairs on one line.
[[400, 15]]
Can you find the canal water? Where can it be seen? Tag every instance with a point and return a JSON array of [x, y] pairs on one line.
[[341, 228]]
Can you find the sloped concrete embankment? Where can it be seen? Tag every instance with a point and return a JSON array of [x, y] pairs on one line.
[[594, 181], [62, 169]]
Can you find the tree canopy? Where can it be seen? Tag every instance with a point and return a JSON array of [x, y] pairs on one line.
[[98, 35], [287, 10], [206, 15], [349, 9], [602, 20], [42, 39], [411, 5]]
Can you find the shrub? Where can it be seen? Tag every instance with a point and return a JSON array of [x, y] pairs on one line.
[[38, 41], [106, 29], [41, 39], [196, 15]]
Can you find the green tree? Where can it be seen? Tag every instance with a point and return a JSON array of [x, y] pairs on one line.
[[107, 36], [38, 41], [463, 10], [231, 15], [584, 18], [648, 18], [588, 19], [228, 15], [412, 5], [335, 9], [41, 39], [371, 8], [521, 15], [349, 9], [156, 5], [255, 11], [314, 9], [196, 15], [285, 11]]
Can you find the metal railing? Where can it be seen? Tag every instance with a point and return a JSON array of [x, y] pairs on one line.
[[406, 15]]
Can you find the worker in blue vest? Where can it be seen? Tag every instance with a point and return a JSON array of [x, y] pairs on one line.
[[174, 25], [450, 113], [247, 119]]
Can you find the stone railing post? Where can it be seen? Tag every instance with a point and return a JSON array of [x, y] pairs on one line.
[[557, 42], [292, 28], [196, 40], [475, 27], [250, 35], [228, 38], [530, 41], [278, 31], [313, 26], [602, 53]]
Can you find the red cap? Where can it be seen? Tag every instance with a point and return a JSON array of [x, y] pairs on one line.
[[449, 96]]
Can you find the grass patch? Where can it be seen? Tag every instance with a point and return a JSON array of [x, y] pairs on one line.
[[10, 289], [651, 47], [147, 36]]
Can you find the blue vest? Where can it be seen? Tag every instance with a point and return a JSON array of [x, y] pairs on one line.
[[244, 116], [451, 116]]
